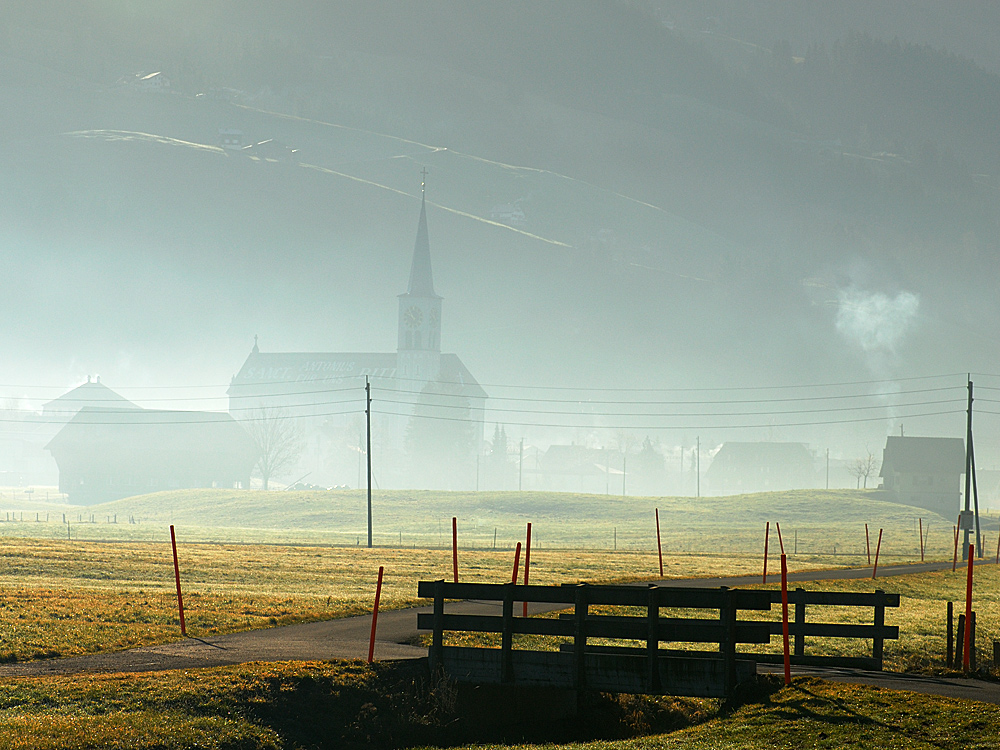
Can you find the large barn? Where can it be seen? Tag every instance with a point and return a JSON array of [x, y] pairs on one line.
[[427, 410]]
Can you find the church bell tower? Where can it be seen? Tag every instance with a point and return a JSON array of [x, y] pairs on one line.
[[418, 347]]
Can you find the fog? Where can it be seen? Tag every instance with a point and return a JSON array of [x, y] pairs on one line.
[[737, 220]]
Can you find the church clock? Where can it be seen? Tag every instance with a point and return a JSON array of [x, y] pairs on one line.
[[413, 317]]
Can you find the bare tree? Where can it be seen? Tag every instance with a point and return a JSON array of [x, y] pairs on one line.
[[864, 467], [279, 442]]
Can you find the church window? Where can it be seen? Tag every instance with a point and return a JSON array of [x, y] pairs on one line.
[[416, 339], [409, 339]]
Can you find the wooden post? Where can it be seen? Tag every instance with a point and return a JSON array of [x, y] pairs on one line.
[[437, 635], [378, 595], [950, 655], [728, 645], [998, 550], [968, 610], [580, 637], [767, 534], [527, 565], [517, 562], [868, 545], [653, 640], [877, 548], [659, 546], [972, 642], [507, 634], [954, 561], [800, 622], [454, 547], [784, 618], [878, 641], [177, 578], [920, 532], [959, 639], [996, 654]]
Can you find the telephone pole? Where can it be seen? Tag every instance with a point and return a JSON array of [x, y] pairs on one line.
[[368, 419], [520, 463], [971, 490]]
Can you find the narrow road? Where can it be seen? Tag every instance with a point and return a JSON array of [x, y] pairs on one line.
[[347, 638]]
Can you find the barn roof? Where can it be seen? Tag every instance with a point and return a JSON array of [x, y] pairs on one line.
[[923, 455], [89, 394]]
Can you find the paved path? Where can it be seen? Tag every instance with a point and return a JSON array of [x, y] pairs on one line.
[[347, 638]]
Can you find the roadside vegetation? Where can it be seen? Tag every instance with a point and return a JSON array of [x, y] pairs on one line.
[[352, 705]]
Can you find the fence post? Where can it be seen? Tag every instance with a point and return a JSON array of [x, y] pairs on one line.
[[437, 637], [653, 640], [800, 622], [959, 639], [527, 564], [580, 637], [378, 595], [507, 635], [972, 642], [454, 548], [950, 656], [878, 640], [177, 578], [968, 611], [728, 645], [659, 546], [767, 534], [784, 620]]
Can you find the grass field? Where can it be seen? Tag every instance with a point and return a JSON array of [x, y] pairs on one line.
[[813, 521]]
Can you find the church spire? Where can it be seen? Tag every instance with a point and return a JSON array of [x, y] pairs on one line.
[[421, 276]]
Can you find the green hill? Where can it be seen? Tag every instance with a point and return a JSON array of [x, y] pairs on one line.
[[819, 520]]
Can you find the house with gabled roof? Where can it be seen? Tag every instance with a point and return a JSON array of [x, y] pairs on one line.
[[427, 407], [924, 472]]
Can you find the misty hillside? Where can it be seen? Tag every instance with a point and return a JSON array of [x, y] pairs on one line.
[[703, 188]]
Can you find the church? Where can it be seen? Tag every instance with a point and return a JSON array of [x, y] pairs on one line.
[[427, 408]]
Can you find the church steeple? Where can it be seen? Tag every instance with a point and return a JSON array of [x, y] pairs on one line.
[[419, 340], [421, 277]]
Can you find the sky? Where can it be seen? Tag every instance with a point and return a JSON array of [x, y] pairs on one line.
[[710, 214]]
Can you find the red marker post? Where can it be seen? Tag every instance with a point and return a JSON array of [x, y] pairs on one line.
[[966, 646], [868, 545], [177, 578], [527, 565], [454, 547], [767, 534], [378, 595], [780, 543], [784, 619], [877, 548], [659, 547], [517, 562]]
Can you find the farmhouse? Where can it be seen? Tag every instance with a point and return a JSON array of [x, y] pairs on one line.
[[924, 472], [427, 414], [106, 454], [761, 467]]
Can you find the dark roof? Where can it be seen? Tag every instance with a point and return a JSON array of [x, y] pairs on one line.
[[757, 453], [139, 429], [923, 455], [93, 394], [279, 373], [421, 277]]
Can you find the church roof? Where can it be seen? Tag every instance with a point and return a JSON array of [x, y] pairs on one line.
[[421, 276], [288, 372]]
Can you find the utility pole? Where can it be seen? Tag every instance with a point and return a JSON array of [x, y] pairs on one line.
[[697, 470], [607, 471], [368, 419], [624, 459], [971, 490], [520, 463]]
